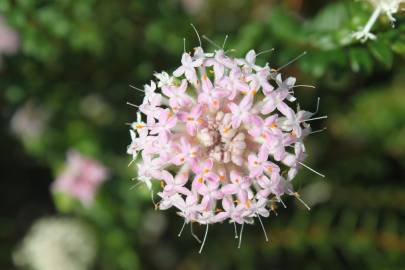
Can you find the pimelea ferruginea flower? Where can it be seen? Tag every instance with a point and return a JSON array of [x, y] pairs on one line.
[[389, 7], [222, 138]]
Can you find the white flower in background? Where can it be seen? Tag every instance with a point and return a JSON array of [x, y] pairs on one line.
[[9, 40], [388, 7], [28, 122], [57, 243]]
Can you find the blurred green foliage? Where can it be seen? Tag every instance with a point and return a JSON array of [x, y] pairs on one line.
[[78, 57]]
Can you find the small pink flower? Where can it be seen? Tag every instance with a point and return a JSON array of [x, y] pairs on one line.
[[239, 186], [219, 62], [203, 172], [186, 153], [231, 212], [189, 208], [210, 193], [241, 113], [211, 96], [175, 184], [188, 68], [176, 95], [192, 119], [259, 164], [166, 122]]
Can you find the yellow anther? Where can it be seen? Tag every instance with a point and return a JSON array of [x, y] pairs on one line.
[[206, 170], [222, 177], [162, 184], [200, 180], [269, 169], [138, 126], [274, 125], [248, 204], [226, 130], [204, 77]]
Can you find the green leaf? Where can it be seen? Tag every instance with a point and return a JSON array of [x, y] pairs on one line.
[[360, 60], [399, 47], [381, 52]]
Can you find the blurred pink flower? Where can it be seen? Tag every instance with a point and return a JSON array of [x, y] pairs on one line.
[[193, 6], [81, 177], [9, 40]]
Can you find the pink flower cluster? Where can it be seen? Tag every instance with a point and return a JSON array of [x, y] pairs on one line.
[[221, 138], [81, 177]]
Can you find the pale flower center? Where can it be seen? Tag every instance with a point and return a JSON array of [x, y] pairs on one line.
[[221, 142]]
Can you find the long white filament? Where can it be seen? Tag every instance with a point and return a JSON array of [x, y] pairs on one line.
[[193, 234], [280, 200], [315, 118], [236, 230], [130, 163], [304, 85], [372, 19], [210, 41], [182, 228], [299, 199], [133, 105], [136, 185], [312, 170], [136, 88], [291, 61], [264, 230], [198, 36], [240, 235], [205, 238], [318, 131], [223, 44], [265, 51]]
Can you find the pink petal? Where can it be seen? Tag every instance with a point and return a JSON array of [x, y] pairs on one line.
[[179, 71], [229, 189]]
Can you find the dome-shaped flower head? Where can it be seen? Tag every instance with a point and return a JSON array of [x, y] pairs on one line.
[[222, 138]]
